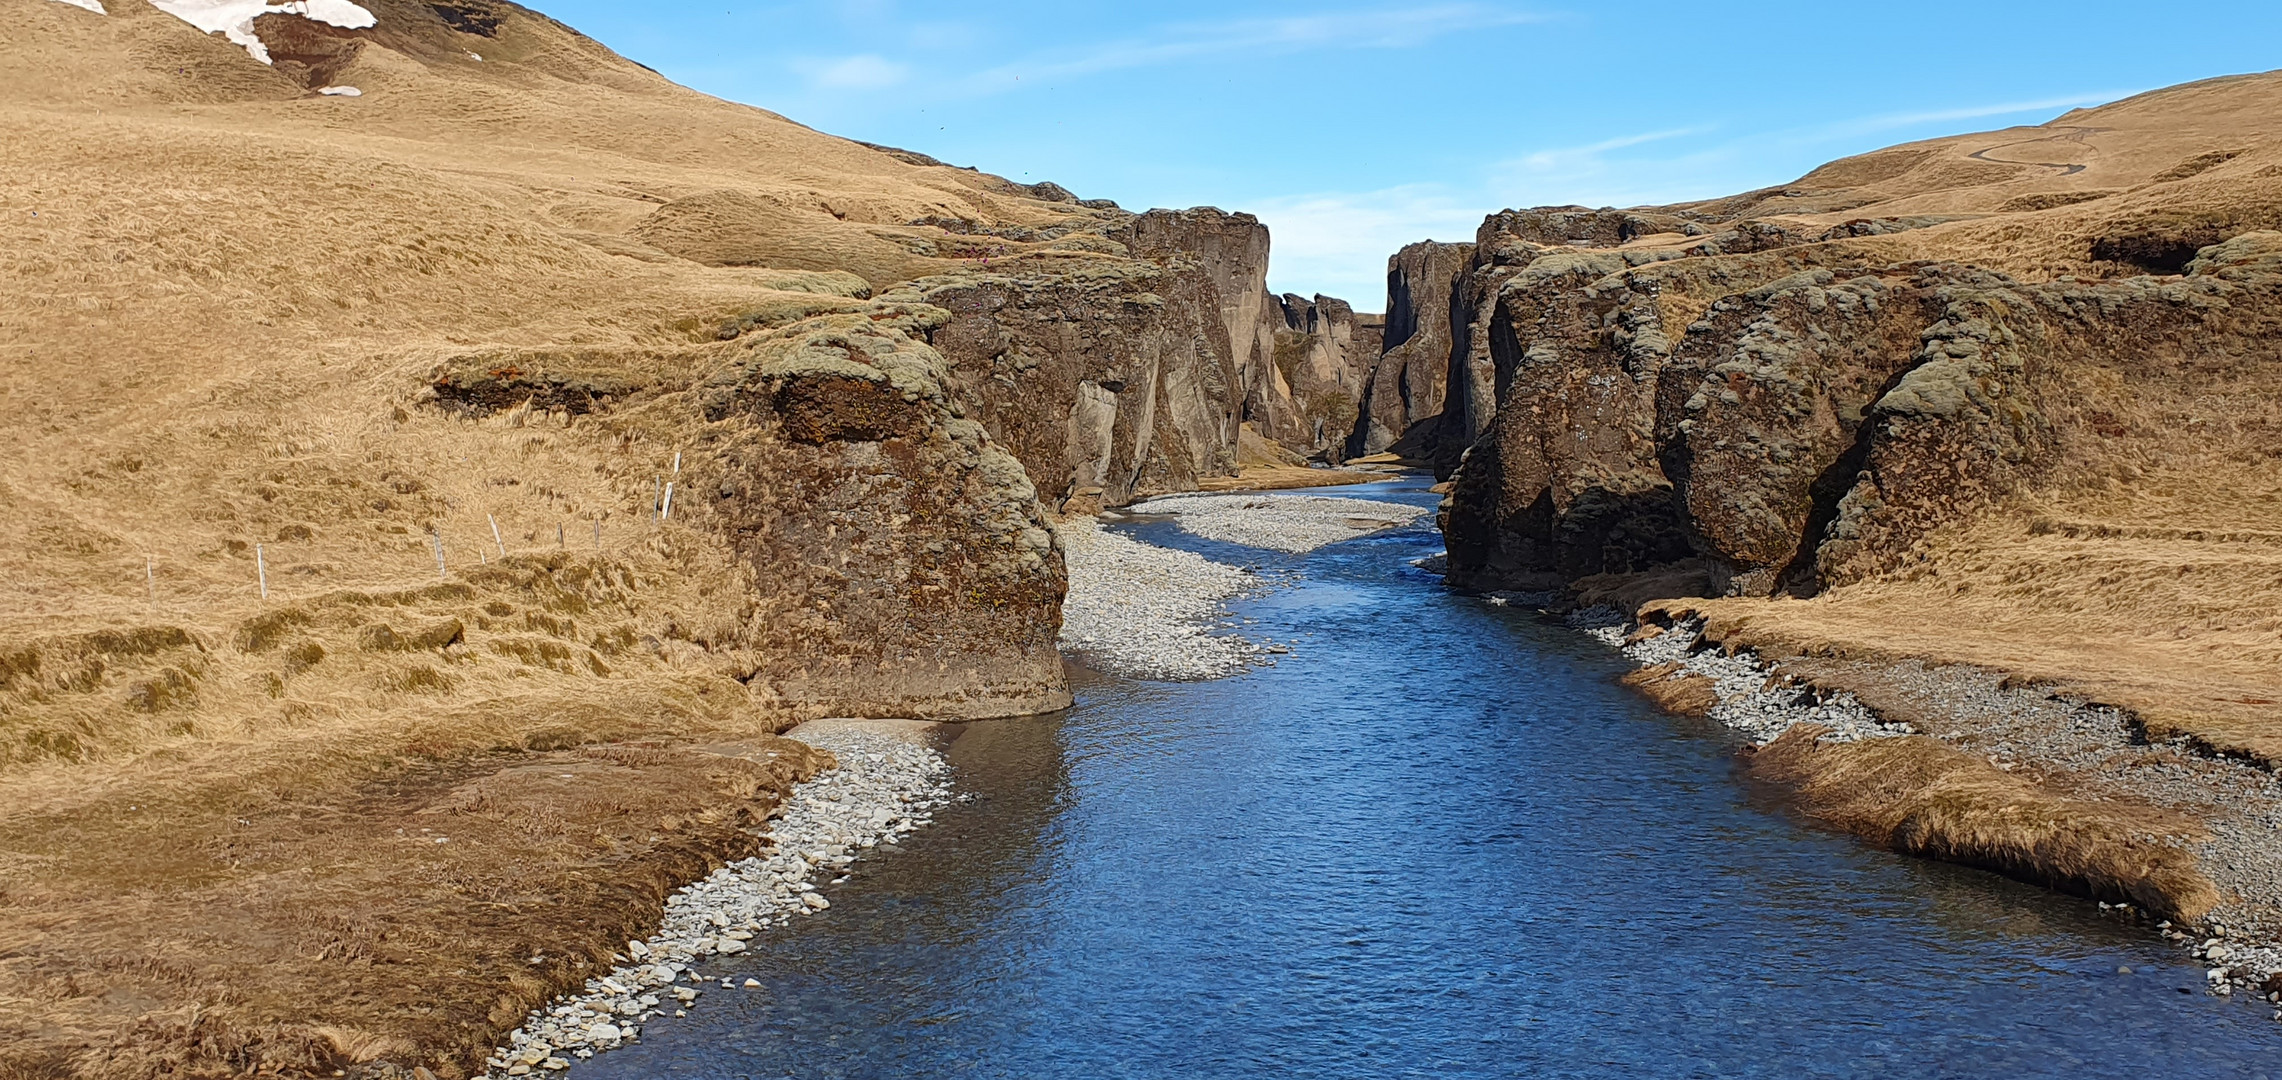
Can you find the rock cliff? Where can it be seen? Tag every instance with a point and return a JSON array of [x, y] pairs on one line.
[[1321, 358], [1408, 392], [891, 558], [1120, 376], [1930, 390]]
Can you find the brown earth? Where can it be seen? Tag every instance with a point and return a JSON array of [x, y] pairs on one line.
[[376, 462]]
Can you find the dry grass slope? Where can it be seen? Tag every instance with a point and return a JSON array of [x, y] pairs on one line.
[[224, 305]]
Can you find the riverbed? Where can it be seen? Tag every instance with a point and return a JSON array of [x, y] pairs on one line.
[[1436, 839]]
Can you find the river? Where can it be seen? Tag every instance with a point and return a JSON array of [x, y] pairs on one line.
[[1438, 840]]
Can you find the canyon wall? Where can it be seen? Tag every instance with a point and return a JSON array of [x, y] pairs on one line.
[[1792, 419], [1321, 356], [1127, 374], [1768, 396], [887, 557], [1409, 387]]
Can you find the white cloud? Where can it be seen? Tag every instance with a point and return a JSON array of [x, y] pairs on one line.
[[1890, 121], [1602, 174], [1337, 243], [1385, 28], [863, 72], [1562, 158]]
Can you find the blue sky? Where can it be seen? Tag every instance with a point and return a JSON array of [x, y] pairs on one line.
[[1355, 127]]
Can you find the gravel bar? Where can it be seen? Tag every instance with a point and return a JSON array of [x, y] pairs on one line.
[[1752, 698], [1146, 612], [1296, 524], [886, 786]]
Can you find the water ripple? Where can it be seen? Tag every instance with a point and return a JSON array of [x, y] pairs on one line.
[[1437, 840]]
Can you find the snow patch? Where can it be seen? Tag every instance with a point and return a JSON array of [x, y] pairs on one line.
[[95, 6], [234, 19], [340, 91]]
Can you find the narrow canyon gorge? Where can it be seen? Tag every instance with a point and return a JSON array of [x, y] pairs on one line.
[[414, 462]]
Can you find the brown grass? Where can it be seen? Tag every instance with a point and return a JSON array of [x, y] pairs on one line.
[[2162, 596], [2037, 197], [222, 300], [1674, 691], [1915, 795]]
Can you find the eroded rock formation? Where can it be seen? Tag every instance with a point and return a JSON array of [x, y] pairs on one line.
[[1115, 379], [1404, 400], [1321, 356], [892, 557], [1789, 420]]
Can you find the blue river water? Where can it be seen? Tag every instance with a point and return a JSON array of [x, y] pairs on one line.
[[1438, 840]]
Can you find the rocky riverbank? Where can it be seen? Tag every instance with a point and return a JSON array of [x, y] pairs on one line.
[[887, 782], [2158, 830], [1294, 524], [1148, 612]]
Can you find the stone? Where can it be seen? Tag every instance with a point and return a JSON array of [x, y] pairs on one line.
[[1771, 419], [1408, 390]]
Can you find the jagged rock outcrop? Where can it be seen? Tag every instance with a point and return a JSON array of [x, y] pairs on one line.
[[1129, 374], [1122, 374], [1109, 384], [1404, 400], [1793, 388], [1322, 354], [892, 559], [1787, 422], [1302, 366]]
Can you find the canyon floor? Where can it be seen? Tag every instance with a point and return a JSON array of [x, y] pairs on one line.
[[1304, 824], [430, 508]]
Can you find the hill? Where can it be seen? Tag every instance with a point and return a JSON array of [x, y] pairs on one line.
[[422, 417]]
